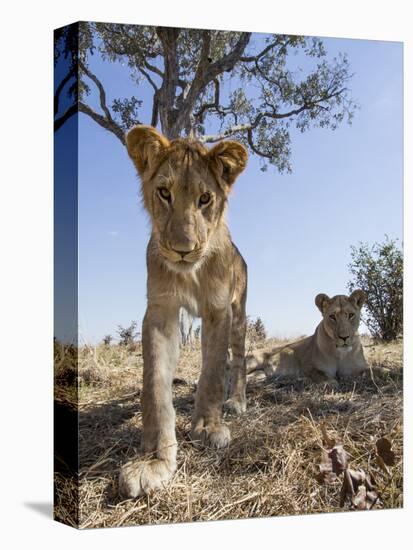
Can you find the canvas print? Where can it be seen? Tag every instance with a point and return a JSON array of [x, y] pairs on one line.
[[228, 275]]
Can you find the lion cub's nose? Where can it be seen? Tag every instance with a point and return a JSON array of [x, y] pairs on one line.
[[345, 338]]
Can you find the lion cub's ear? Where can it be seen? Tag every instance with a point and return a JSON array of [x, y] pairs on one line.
[[321, 301], [229, 158], [358, 298], [144, 145]]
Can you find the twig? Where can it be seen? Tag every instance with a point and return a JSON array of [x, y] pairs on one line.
[[373, 380], [130, 512], [231, 505]]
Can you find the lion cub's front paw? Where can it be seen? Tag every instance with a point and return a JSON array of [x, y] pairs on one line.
[[235, 405], [138, 478], [216, 436]]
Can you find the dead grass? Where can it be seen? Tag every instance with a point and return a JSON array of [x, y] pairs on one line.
[[270, 467]]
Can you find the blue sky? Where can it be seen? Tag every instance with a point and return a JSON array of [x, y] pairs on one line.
[[295, 230]]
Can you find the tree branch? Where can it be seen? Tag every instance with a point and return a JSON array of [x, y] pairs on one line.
[[58, 123], [250, 58], [155, 109], [267, 78], [205, 73], [254, 148], [272, 45], [149, 79], [169, 40], [102, 93], [105, 121], [60, 87], [187, 99], [249, 126], [214, 105], [109, 28], [109, 125], [128, 52], [226, 133], [204, 56], [228, 61], [153, 68]]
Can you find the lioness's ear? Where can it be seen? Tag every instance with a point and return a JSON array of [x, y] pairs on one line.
[[144, 145], [358, 297], [321, 301], [229, 158]]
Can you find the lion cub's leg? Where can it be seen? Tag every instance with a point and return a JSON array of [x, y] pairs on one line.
[[160, 341], [237, 402], [207, 426]]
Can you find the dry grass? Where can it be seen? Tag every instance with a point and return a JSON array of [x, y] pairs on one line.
[[270, 467]]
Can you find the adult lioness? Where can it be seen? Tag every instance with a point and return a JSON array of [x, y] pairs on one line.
[[334, 350], [192, 263]]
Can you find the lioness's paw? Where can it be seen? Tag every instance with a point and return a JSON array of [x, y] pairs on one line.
[[330, 383], [138, 478], [235, 405], [216, 437]]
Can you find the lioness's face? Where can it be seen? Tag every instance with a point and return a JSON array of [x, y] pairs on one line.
[[185, 188], [341, 317]]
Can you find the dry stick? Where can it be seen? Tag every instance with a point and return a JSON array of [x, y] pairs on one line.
[[231, 505], [373, 380], [129, 513], [313, 425]]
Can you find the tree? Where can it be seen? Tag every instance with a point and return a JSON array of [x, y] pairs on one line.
[[234, 84], [378, 270], [127, 335], [230, 84], [260, 329], [255, 334], [107, 340]]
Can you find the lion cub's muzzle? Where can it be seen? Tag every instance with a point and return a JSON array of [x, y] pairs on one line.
[[183, 256]]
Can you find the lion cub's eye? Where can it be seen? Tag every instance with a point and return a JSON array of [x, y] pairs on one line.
[[350, 315], [332, 317], [164, 193], [204, 199]]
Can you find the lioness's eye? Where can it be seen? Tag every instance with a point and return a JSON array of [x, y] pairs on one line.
[[164, 193], [332, 317], [350, 315], [204, 199]]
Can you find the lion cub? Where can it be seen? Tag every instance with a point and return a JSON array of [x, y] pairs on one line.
[[334, 350], [192, 263]]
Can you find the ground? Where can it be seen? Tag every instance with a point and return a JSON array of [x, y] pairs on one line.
[[271, 465]]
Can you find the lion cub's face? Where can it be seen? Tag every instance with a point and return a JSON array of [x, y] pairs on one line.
[[185, 188], [341, 317]]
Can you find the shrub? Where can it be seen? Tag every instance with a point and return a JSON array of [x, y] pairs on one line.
[[128, 335], [378, 270], [107, 340]]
